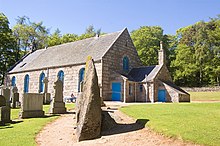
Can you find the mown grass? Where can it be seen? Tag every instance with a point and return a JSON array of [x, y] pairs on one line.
[[202, 96], [23, 131], [195, 122]]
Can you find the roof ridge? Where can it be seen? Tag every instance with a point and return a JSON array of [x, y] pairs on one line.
[[94, 37]]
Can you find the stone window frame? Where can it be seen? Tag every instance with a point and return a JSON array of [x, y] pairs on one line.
[[125, 64], [81, 78], [41, 84], [60, 75], [26, 83], [13, 81]]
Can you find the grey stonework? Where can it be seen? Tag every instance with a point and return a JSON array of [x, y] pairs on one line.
[[31, 105], [5, 111], [57, 106], [88, 107], [6, 94], [15, 97]]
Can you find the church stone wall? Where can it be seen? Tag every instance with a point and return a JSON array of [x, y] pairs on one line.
[[71, 78], [112, 63]]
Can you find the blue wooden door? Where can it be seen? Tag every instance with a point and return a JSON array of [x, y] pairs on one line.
[[116, 91], [161, 95]]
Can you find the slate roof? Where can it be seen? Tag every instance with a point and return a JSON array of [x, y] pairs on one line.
[[140, 73], [68, 54], [175, 87]]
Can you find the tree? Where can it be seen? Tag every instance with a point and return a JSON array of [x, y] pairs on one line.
[[197, 57], [69, 38], [7, 47], [55, 38], [147, 42], [30, 35]]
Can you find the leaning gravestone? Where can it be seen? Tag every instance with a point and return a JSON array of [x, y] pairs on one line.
[[57, 106], [88, 108], [32, 105], [5, 111]]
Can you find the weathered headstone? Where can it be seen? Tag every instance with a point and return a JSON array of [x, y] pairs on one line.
[[15, 97], [5, 111], [57, 106], [32, 105], [46, 94], [6, 94], [88, 107], [2, 101]]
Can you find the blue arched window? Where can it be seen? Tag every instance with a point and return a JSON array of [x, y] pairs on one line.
[[26, 83], [81, 77], [125, 64], [13, 81], [41, 83], [61, 75]]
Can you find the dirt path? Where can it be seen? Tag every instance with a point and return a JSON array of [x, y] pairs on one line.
[[61, 133]]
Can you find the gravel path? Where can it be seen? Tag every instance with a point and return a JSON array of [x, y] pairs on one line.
[[61, 133]]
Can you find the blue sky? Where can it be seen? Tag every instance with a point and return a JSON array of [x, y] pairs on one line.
[[73, 16]]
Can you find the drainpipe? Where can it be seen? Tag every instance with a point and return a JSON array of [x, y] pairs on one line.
[[147, 91], [125, 89]]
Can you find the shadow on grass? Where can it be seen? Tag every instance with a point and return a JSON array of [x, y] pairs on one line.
[[9, 125], [46, 116], [110, 127]]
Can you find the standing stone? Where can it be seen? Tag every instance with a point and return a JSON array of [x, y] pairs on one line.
[[88, 107], [15, 97], [46, 94], [57, 106], [5, 111]]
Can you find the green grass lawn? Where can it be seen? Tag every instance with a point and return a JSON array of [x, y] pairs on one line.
[[23, 131], [204, 96], [194, 122]]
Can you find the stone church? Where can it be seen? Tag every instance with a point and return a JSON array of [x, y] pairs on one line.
[[121, 75]]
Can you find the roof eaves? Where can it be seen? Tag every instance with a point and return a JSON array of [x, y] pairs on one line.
[[51, 67]]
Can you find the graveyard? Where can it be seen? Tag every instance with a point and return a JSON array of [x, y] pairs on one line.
[[86, 122]]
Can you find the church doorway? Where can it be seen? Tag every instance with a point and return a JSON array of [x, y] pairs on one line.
[[116, 91]]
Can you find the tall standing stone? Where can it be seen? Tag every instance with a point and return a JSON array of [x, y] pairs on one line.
[[88, 108], [57, 106]]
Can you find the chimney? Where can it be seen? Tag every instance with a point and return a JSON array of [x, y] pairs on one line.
[[161, 55]]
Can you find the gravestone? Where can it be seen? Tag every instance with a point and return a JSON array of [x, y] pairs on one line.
[[5, 111], [46, 94], [88, 107], [15, 97], [6, 94], [57, 106], [32, 105]]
